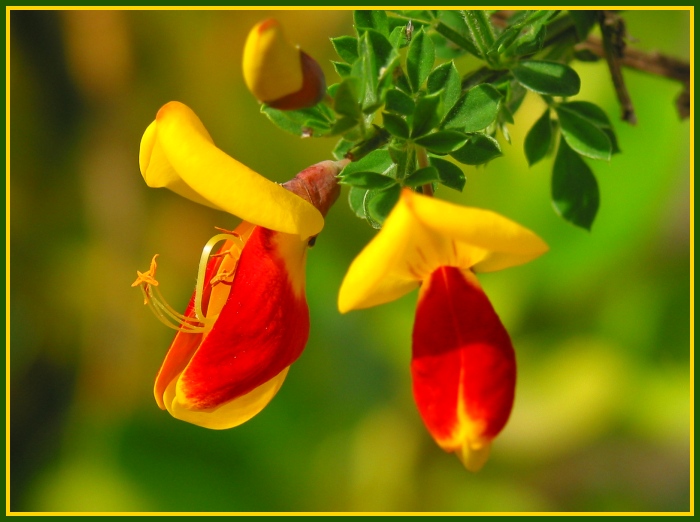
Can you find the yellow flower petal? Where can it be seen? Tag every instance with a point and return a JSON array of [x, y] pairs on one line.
[[230, 414], [271, 65], [502, 242], [420, 235], [178, 153]]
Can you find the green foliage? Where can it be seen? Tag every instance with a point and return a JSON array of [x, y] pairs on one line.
[[402, 105], [574, 188]]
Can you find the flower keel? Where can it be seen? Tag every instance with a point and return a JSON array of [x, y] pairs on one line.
[[463, 365]]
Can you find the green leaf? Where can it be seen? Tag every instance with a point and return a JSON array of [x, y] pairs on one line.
[[445, 77], [343, 69], [356, 199], [574, 188], [343, 125], [553, 78], [443, 142], [314, 121], [423, 176], [480, 29], [397, 37], [396, 125], [420, 59], [584, 21], [399, 102], [450, 174], [375, 19], [404, 159], [366, 180], [613, 140], [346, 98], [341, 148], [426, 115], [375, 66], [538, 139], [379, 204], [346, 47], [374, 139], [590, 111], [376, 161], [478, 150], [458, 38], [475, 110], [583, 136]]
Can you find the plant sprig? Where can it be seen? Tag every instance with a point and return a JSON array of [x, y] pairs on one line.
[[407, 117]]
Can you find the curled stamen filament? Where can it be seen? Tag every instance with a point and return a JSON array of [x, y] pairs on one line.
[[165, 313], [237, 242]]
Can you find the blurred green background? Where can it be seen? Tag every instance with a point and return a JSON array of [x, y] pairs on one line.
[[601, 323]]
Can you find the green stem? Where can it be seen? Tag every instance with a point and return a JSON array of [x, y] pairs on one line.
[[423, 161]]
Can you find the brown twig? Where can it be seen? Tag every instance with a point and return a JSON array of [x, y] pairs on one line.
[[654, 63], [612, 27]]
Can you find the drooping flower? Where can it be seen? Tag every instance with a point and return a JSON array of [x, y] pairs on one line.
[[278, 73], [463, 364], [248, 320]]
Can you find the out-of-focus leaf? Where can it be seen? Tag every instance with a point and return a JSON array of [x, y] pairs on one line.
[[478, 150], [475, 110], [553, 78], [584, 21], [538, 139], [583, 136], [574, 188], [450, 174], [420, 59]]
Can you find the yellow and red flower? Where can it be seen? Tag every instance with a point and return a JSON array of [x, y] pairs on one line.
[[278, 73], [248, 320], [463, 364]]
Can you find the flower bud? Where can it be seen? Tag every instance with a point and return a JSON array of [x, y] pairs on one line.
[[278, 73]]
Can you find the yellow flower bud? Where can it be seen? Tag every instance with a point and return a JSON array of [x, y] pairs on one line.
[[278, 73]]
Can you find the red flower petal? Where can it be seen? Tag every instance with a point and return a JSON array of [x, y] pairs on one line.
[[262, 328], [463, 363]]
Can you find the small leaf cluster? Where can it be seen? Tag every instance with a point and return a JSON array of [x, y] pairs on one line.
[[406, 117]]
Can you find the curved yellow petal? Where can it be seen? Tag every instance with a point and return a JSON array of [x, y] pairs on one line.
[[230, 414], [271, 65], [503, 242], [178, 153], [422, 234]]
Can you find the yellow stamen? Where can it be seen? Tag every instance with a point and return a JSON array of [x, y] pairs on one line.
[[147, 279]]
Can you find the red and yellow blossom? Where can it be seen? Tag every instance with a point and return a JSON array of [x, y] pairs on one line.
[[463, 364], [248, 320], [278, 73]]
